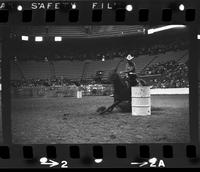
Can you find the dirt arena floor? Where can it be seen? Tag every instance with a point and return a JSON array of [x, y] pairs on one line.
[[41, 120]]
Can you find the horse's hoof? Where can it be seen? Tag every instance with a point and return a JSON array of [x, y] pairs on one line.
[[101, 109], [110, 110]]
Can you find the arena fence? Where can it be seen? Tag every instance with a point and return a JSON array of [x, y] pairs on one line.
[[169, 91], [71, 91], [64, 91]]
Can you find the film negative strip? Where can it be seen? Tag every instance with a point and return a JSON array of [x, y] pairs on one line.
[[99, 84]]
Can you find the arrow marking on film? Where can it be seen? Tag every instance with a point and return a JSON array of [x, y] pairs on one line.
[[51, 163]]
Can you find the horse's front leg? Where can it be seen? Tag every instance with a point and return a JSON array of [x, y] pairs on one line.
[[110, 108]]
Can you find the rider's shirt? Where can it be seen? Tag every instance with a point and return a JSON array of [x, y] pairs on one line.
[[131, 74], [130, 67]]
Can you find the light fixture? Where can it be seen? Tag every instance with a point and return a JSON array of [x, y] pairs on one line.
[[198, 36], [38, 39], [57, 38], [25, 38], [151, 31]]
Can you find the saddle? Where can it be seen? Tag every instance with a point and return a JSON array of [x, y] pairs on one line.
[[130, 79]]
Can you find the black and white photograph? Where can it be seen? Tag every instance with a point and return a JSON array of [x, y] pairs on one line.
[[99, 84], [1, 130]]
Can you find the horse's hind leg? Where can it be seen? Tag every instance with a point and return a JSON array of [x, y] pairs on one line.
[[110, 108]]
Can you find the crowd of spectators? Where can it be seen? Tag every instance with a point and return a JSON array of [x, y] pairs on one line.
[[111, 52], [166, 75], [42, 82], [88, 87], [150, 50], [171, 74]]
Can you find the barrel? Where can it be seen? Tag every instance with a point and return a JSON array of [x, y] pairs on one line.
[[141, 100], [79, 94]]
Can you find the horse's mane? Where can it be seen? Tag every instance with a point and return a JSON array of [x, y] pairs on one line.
[[114, 76]]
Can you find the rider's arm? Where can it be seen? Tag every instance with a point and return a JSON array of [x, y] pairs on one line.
[[129, 68]]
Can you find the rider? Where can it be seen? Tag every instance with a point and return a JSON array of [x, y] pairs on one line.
[[130, 71]]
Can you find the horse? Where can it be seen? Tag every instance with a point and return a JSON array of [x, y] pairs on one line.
[[122, 92]]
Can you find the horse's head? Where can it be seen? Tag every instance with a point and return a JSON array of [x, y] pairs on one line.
[[121, 91], [114, 77]]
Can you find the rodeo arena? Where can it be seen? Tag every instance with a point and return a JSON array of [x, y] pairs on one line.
[[1, 134], [99, 84]]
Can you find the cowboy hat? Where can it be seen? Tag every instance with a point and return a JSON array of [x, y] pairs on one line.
[[129, 57]]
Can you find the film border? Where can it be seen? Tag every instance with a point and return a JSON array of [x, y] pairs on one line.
[[182, 154]]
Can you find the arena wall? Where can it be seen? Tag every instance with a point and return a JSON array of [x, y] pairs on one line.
[[43, 92], [71, 92], [169, 91]]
